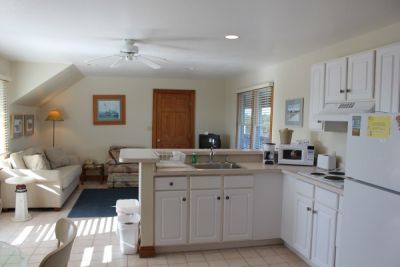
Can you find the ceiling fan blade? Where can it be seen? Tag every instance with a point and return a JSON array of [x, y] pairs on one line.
[[155, 57], [117, 62], [90, 61], [148, 62]]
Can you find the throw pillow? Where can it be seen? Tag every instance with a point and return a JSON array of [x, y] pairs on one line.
[[57, 157], [33, 151], [17, 161], [36, 162]]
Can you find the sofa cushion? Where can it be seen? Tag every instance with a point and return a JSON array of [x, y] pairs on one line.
[[36, 162], [57, 157], [17, 160], [68, 174]]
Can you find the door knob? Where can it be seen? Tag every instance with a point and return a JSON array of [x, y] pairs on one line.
[[158, 140]]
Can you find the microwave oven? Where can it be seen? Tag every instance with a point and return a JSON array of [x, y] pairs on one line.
[[296, 154]]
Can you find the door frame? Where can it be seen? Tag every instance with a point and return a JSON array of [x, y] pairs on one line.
[[192, 94]]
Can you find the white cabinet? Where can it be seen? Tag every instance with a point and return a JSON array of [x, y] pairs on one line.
[[388, 79], [360, 79], [205, 216], [317, 94], [324, 232], [335, 80], [303, 224], [171, 217], [238, 214], [288, 208]]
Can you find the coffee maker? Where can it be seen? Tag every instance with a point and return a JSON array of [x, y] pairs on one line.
[[269, 153]]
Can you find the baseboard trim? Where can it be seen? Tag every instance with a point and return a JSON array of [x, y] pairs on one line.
[[222, 245], [147, 252]]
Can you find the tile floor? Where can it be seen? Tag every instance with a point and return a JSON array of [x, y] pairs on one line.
[[97, 245]]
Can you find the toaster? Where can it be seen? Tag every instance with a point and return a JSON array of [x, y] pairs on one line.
[[326, 162]]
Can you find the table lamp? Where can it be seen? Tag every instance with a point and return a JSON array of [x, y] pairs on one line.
[[54, 115]]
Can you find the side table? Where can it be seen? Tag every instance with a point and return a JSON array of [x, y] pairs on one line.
[[21, 200], [92, 168]]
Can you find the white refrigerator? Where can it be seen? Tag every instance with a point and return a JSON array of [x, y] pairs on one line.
[[370, 235]]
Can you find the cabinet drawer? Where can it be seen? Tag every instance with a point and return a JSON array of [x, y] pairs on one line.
[[205, 182], [305, 189], [171, 183], [238, 181], [326, 197]]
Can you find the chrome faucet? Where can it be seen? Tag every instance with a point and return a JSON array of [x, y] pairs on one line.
[[211, 157]]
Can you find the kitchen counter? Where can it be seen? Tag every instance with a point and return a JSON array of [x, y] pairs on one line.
[[255, 168]]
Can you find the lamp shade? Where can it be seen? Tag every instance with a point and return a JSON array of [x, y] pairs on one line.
[[54, 115]]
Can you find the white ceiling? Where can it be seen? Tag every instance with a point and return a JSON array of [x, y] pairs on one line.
[[189, 33]]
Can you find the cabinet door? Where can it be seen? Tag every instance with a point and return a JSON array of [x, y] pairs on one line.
[[336, 80], [303, 225], [171, 217], [361, 74], [317, 94], [288, 208], [324, 232], [205, 216], [387, 84], [338, 235], [238, 214]]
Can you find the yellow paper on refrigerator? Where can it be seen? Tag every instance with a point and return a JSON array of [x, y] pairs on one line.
[[379, 126]]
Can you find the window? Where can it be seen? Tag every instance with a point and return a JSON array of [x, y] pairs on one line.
[[254, 118], [4, 128]]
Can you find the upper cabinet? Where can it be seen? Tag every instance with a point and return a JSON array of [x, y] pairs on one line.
[[360, 79], [317, 96], [387, 79], [335, 80]]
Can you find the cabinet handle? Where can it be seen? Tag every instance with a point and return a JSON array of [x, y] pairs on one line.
[[227, 197], [219, 198], [171, 184], [184, 199], [308, 209], [341, 91], [314, 211], [348, 90]]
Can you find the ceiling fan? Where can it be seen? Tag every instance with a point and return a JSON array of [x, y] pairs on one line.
[[130, 52]]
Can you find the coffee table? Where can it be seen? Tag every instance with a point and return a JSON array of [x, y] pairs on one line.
[[21, 200]]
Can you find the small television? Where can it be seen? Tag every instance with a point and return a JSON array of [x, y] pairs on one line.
[[208, 140]]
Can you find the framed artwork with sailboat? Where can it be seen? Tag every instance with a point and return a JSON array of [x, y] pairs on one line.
[[109, 110]]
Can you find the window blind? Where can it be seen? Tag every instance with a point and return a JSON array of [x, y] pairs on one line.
[[254, 118], [4, 118]]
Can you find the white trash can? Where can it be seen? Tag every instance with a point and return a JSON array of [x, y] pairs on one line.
[[127, 206], [128, 231]]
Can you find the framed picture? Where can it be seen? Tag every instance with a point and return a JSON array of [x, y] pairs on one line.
[[29, 124], [294, 112], [109, 110], [17, 126]]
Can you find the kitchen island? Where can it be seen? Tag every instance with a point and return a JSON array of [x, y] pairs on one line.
[[189, 209]]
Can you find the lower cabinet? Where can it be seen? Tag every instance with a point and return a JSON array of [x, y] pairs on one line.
[[324, 232], [171, 217], [205, 216], [238, 214], [303, 225]]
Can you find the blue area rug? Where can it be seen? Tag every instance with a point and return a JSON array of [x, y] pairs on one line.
[[100, 202]]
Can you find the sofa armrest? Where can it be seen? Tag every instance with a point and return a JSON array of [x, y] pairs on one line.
[[41, 176]]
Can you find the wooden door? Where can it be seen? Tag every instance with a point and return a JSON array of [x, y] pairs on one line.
[[361, 73], [205, 216], [173, 118], [335, 80], [303, 225], [324, 232], [171, 217], [238, 214]]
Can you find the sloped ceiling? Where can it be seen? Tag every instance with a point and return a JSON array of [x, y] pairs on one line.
[[34, 84]]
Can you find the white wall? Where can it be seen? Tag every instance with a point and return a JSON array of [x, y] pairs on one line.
[[77, 133], [292, 80]]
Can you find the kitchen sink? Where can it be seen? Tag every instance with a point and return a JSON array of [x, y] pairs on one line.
[[217, 165]]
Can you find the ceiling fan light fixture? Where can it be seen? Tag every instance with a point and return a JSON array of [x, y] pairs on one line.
[[232, 36]]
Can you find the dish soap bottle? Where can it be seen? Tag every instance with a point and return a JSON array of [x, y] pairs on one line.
[[194, 158]]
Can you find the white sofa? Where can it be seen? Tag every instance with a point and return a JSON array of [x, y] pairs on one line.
[[51, 187]]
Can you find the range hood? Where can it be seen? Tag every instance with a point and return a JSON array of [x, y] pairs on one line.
[[341, 111]]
